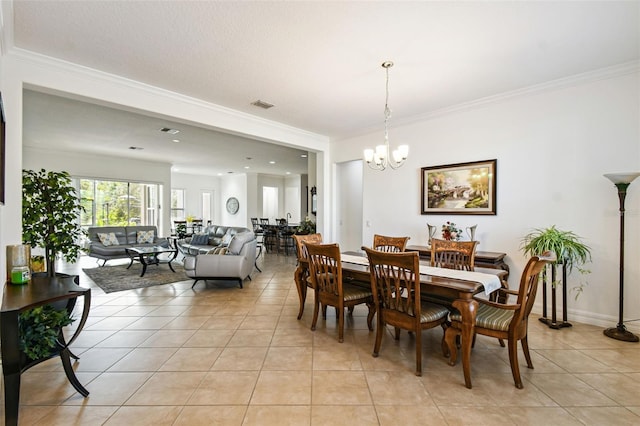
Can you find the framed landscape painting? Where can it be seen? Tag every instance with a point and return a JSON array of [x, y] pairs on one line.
[[463, 188]]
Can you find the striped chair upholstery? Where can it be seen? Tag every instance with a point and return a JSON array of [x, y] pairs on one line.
[[508, 321]]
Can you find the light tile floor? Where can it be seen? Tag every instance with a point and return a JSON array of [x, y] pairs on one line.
[[220, 355]]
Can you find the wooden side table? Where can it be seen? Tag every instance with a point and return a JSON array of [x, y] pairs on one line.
[[484, 259], [17, 298]]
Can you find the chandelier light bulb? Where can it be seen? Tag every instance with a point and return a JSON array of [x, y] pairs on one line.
[[383, 157]]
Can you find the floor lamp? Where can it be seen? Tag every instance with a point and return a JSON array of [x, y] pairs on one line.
[[621, 181]]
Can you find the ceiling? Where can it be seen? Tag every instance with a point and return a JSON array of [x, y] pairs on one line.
[[317, 62]]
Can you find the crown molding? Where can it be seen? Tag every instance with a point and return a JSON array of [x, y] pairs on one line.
[[226, 114], [614, 71]]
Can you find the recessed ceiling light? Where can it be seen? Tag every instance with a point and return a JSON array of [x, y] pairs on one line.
[[262, 104], [175, 140], [169, 130], [272, 162], [135, 147], [288, 173], [303, 155], [246, 167], [219, 174]]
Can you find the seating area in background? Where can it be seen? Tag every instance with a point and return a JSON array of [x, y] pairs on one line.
[[110, 242], [212, 236], [233, 261]]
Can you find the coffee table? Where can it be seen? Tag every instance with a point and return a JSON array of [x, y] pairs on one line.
[[150, 256]]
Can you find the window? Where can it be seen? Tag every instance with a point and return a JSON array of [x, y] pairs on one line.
[[177, 204], [117, 203]]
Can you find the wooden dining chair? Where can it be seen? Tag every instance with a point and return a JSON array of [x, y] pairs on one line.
[[389, 244], [395, 283], [302, 273], [330, 289], [504, 320], [453, 254]]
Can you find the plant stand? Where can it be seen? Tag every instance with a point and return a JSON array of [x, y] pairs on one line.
[[553, 323]]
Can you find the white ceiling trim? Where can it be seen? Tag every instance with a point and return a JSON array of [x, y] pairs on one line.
[[224, 119], [614, 71]]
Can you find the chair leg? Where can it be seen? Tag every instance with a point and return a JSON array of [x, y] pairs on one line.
[[372, 312], [397, 336], [316, 308], [525, 349], [340, 323], [445, 347], [513, 360], [418, 352], [379, 330], [302, 289], [195, 282], [450, 337]]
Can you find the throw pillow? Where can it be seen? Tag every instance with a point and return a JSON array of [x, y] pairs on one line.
[[218, 250], [200, 239], [227, 237], [109, 239], [144, 237]]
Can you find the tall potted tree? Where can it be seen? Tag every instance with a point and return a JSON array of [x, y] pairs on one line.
[[50, 215]]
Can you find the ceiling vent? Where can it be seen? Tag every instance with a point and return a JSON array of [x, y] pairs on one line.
[[169, 130], [135, 147], [262, 104]]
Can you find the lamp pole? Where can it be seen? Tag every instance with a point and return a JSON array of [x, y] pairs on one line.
[[620, 332]]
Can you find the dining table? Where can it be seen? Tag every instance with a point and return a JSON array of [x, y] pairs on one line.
[[447, 284]]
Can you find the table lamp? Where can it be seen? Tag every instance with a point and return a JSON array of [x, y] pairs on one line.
[[621, 181]]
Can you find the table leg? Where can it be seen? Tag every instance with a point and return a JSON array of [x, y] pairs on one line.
[[10, 366], [71, 375], [143, 263], [468, 309]]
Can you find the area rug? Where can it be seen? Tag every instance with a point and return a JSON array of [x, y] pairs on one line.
[[119, 278]]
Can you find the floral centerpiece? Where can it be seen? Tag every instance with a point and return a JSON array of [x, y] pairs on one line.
[[451, 232]]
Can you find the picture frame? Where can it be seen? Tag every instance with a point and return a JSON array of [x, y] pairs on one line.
[[462, 188]]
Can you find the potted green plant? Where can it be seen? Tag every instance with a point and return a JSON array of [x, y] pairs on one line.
[[50, 215], [570, 252], [39, 329], [568, 247]]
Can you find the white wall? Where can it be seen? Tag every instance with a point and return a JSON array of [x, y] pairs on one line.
[[234, 186], [193, 186], [552, 147]]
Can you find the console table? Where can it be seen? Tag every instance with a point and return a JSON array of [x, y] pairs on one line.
[[17, 298], [483, 259]]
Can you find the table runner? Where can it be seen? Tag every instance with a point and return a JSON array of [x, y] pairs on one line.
[[490, 282]]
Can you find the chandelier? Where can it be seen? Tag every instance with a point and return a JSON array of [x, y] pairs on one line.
[[380, 158]]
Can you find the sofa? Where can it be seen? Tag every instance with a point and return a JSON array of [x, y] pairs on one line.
[[109, 242], [234, 261], [210, 237]]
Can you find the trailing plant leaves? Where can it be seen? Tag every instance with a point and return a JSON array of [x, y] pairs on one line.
[[567, 246], [39, 328]]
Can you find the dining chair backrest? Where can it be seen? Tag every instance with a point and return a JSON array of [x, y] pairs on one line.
[[529, 286], [389, 244], [264, 221], [325, 269], [281, 222], [395, 282], [453, 254], [255, 223], [301, 240]]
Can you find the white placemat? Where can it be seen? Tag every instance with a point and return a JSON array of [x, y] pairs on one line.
[[490, 282]]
